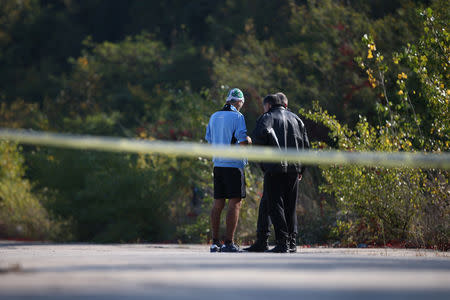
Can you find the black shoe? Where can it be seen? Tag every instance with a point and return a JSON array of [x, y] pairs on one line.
[[229, 248], [215, 247], [258, 246], [279, 248], [292, 245]]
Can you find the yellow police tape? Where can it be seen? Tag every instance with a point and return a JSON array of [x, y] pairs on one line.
[[253, 153]]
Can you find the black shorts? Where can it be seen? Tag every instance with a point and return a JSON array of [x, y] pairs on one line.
[[229, 183]]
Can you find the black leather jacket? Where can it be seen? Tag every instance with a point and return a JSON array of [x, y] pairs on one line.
[[282, 129]]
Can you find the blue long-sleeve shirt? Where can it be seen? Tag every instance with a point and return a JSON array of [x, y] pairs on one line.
[[221, 128]]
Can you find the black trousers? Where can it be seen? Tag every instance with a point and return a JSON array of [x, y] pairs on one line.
[[263, 224], [280, 201]]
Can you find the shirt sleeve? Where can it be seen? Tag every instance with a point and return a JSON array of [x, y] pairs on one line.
[[241, 130], [208, 133], [304, 135], [305, 140]]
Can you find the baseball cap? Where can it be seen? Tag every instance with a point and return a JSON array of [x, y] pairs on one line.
[[235, 94]]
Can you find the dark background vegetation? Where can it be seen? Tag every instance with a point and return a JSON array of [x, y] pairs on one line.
[[158, 69]]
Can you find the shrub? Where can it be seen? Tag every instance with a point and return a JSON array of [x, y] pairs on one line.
[[378, 204], [22, 214]]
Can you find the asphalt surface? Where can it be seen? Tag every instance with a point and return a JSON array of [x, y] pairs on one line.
[[147, 271]]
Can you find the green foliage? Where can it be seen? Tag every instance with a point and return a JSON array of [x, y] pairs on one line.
[[20, 114], [158, 69], [142, 99], [379, 204], [316, 211], [313, 59], [198, 231], [109, 197], [247, 63], [118, 197], [35, 43], [22, 213], [376, 204]]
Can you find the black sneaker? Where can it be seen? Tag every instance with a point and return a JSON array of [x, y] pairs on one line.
[[292, 245], [229, 248], [215, 247], [258, 246], [279, 248]]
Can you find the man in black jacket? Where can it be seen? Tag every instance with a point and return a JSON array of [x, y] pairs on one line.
[[280, 128], [263, 224]]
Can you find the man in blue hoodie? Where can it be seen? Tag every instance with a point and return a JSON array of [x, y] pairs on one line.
[[227, 127]]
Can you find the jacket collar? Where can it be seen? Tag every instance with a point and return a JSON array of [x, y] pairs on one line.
[[277, 107]]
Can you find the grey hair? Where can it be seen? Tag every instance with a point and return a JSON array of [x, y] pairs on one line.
[[283, 98]]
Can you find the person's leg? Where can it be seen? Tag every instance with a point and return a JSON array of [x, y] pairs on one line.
[[263, 223], [290, 202], [262, 226], [235, 190], [276, 207], [215, 217], [219, 202], [291, 196], [234, 206]]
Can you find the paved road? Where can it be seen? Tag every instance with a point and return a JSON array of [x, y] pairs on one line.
[[55, 271]]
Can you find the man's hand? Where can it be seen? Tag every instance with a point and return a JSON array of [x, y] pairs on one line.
[[248, 141], [300, 176]]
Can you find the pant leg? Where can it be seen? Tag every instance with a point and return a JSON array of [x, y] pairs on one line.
[[290, 202], [263, 224], [275, 182]]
